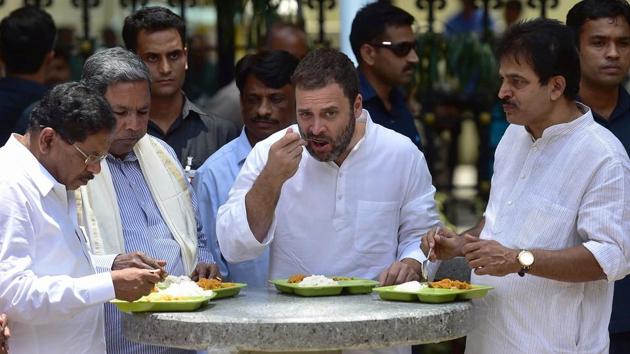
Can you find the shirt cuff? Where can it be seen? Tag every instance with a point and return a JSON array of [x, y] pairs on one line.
[[103, 262], [205, 256], [414, 253], [250, 241], [99, 287], [432, 268], [608, 257]]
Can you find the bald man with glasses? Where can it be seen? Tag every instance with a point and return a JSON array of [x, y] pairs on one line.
[[384, 44]]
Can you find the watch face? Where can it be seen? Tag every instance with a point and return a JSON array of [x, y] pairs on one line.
[[525, 258]]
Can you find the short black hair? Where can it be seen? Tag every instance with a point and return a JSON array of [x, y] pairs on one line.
[[371, 22], [548, 47], [74, 111], [595, 9], [27, 35], [324, 66], [272, 67], [151, 19]]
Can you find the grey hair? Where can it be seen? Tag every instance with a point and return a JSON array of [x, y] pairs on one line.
[[111, 66]]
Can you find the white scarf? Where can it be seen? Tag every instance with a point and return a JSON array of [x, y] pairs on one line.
[[99, 214]]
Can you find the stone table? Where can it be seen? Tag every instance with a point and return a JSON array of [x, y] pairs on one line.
[[265, 320]]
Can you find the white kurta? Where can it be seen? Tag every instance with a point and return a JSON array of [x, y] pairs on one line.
[[354, 220], [48, 285], [570, 187]]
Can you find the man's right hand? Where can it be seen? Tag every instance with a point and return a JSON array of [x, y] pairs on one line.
[[284, 157], [130, 284], [445, 243], [139, 260]]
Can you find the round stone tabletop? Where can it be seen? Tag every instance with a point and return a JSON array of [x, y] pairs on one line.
[[265, 320]]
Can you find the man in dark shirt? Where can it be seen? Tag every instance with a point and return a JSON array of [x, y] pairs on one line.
[[157, 35], [602, 30], [27, 36], [384, 44]]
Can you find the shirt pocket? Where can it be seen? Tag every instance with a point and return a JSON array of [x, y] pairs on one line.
[[547, 225], [376, 228]]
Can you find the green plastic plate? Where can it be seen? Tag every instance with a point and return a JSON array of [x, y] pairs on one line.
[[351, 286], [434, 296], [189, 304], [227, 292]]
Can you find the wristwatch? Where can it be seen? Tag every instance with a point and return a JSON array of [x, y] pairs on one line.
[[526, 259]]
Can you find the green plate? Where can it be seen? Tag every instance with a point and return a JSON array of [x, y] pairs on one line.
[[430, 295], [351, 286], [189, 304], [227, 292]]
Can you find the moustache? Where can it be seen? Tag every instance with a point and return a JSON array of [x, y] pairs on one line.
[[88, 176], [409, 67], [321, 139], [508, 102], [131, 137], [265, 119]]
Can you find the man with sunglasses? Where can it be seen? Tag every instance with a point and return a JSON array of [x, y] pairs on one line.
[[48, 282], [384, 44]]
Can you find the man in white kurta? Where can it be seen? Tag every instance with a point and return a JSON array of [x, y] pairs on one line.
[[356, 219], [570, 187], [355, 203], [555, 235], [58, 309], [48, 284]]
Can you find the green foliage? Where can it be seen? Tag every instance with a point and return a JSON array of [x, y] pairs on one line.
[[455, 64]]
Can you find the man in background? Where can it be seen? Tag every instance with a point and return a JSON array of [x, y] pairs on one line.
[[468, 20], [384, 44], [281, 36], [268, 105], [602, 32], [158, 37], [27, 37]]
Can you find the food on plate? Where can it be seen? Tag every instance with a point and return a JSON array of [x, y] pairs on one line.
[[213, 284], [296, 278], [341, 278], [317, 280], [175, 288], [411, 286], [450, 284]]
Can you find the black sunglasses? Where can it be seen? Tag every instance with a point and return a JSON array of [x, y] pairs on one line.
[[401, 49]]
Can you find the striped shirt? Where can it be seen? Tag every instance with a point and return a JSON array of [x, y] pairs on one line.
[[143, 230], [571, 187]]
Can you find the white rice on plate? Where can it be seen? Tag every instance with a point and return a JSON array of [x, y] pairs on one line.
[[317, 280], [176, 288], [411, 286]]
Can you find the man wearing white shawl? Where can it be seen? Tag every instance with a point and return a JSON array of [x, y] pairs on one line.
[[141, 201]]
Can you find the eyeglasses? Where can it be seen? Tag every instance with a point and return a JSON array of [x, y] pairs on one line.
[[90, 159], [400, 49]]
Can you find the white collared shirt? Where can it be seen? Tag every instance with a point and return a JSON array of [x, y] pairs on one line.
[[48, 285], [570, 187], [355, 219]]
